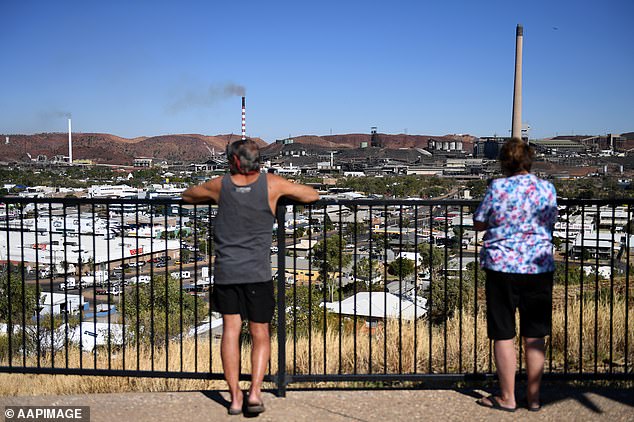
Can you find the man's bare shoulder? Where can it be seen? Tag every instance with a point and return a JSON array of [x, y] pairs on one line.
[[213, 184], [215, 180], [276, 181]]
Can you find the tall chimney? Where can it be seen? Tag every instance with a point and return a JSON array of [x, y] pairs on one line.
[[244, 125], [70, 143], [516, 127]]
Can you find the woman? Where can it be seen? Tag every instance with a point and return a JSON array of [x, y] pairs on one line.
[[518, 213]]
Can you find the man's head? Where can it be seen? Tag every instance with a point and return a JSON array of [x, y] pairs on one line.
[[516, 156], [243, 157]]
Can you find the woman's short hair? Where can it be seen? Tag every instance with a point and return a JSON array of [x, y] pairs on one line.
[[243, 157], [516, 156]]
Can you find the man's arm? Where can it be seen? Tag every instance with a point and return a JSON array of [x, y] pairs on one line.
[[282, 187], [204, 192]]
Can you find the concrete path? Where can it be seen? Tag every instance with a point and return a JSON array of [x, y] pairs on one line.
[[562, 403]]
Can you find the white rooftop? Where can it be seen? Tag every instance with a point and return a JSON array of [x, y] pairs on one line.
[[382, 304]]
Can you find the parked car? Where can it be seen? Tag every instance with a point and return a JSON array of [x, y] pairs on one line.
[[87, 281], [114, 290], [142, 279], [68, 284]]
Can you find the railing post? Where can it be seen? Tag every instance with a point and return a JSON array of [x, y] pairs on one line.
[[281, 301]]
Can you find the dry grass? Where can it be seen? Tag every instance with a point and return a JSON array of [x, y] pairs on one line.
[[361, 353]]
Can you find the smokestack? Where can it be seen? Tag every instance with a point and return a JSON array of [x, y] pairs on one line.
[[516, 127], [70, 143], [244, 124]]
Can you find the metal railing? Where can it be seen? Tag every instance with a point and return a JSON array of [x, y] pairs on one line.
[[367, 290]]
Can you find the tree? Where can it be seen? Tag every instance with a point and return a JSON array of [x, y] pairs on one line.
[[185, 255], [574, 274], [299, 232], [157, 301], [380, 242], [359, 228], [328, 255], [477, 188], [26, 301], [443, 302], [22, 306], [437, 258], [202, 247], [328, 224], [402, 267], [303, 308], [330, 259], [367, 268]]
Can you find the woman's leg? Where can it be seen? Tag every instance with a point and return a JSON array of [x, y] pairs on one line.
[[505, 362], [535, 356]]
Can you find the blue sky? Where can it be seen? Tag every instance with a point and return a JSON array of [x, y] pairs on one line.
[[141, 68]]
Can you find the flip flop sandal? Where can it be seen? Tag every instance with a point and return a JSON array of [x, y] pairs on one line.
[[255, 407], [494, 404], [234, 412]]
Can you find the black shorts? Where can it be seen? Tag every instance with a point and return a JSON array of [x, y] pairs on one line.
[[531, 293], [253, 301]]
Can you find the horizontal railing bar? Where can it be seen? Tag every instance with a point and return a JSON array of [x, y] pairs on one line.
[[321, 202], [125, 373], [387, 377], [554, 376]]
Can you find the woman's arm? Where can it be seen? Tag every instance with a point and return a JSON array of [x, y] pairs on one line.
[[480, 225], [481, 215]]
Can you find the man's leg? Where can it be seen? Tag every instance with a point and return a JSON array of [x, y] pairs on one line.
[[259, 358], [230, 351], [535, 356], [505, 362]]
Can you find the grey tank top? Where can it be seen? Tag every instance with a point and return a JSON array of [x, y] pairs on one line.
[[242, 233]]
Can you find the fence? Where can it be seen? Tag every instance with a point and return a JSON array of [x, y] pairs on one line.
[[367, 290]]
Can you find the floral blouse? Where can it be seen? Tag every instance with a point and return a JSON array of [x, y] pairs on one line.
[[520, 212]]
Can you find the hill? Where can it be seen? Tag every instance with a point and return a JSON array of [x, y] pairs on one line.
[[111, 149]]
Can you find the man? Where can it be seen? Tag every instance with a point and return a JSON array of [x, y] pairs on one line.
[[243, 286]]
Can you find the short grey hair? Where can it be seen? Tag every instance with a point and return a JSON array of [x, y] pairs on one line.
[[243, 156]]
